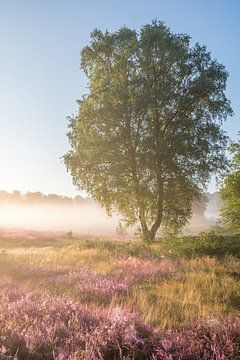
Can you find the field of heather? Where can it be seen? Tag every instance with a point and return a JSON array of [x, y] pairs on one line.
[[90, 298]]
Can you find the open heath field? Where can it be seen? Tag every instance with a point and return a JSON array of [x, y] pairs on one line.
[[91, 298]]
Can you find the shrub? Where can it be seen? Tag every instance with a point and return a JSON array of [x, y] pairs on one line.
[[206, 244]]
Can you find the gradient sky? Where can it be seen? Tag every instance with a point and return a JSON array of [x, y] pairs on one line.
[[40, 80]]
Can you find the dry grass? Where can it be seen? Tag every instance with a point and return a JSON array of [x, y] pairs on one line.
[[206, 289], [200, 288]]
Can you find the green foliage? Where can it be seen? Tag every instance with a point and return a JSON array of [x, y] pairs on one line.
[[119, 248], [206, 244], [148, 133], [230, 193]]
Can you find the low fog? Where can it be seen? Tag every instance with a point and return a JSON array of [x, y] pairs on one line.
[[87, 218], [83, 218]]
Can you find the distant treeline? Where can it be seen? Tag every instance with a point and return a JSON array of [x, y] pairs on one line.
[[38, 197], [198, 207]]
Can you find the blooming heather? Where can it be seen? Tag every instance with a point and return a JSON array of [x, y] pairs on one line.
[[36, 326], [90, 283]]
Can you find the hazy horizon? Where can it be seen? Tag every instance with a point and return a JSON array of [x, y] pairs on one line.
[[80, 217]]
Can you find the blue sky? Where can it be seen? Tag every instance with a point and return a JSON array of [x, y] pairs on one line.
[[40, 80]]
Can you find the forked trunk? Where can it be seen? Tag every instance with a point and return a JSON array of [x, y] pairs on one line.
[[149, 234]]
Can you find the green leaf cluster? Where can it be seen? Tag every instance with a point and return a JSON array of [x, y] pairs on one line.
[[230, 192]]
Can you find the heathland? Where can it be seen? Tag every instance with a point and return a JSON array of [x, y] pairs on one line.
[[66, 297]]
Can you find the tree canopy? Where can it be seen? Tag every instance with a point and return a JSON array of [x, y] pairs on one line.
[[148, 132], [230, 192]]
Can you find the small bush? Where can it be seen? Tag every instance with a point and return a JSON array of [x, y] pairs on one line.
[[206, 244]]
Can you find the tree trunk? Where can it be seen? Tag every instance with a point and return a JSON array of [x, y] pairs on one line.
[[145, 230], [149, 234], [156, 225]]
